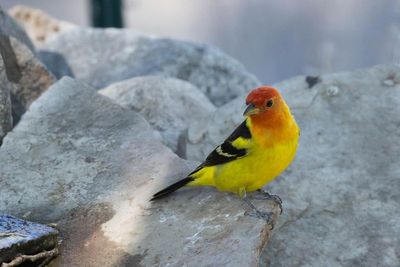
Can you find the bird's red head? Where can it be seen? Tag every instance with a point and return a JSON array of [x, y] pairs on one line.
[[262, 99], [269, 117], [266, 107]]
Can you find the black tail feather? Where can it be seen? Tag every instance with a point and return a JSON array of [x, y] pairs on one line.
[[172, 188]]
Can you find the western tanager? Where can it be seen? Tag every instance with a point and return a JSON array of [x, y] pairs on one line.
[[255, 153]]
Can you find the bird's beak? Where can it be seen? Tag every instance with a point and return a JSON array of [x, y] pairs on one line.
[[251, 110]]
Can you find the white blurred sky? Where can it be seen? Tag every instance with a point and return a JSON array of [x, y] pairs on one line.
[[273, 39]]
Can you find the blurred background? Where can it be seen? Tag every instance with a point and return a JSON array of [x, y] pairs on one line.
[[274, 39]]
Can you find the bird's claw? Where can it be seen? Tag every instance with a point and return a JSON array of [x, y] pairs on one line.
[[268, 196], [266, 216]]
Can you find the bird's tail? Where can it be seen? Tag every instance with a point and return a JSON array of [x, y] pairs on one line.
[[172, 188]]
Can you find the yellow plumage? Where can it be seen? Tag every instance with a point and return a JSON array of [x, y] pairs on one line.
[[263, 163], [254, 154]]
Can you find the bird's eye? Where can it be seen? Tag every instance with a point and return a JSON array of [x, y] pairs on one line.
[[269, 103]]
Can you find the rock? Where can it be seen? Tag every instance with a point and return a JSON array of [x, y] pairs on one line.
[[202, 138], [38, 25], [342, 192], [22, 240], [341, 195], [6, 121], [168, 104], [10, 27], [27, 77], [101, 57], [78, 159]]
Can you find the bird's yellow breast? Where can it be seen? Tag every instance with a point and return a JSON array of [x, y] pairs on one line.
[[259, 167]]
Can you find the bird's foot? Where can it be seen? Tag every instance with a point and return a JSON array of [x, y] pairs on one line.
[[266, 216], [264, 195]]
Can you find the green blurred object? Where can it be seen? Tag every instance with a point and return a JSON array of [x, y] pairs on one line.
[[107, 13]]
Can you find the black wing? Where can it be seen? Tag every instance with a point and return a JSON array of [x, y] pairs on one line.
[[226, 152]]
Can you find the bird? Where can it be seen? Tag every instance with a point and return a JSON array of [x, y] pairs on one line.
[[256, 152]]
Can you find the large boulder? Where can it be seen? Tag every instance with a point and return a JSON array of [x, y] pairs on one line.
[[8, 26], [168, 104], [101, 57], [26, 77], [78, 159], [341, 195]]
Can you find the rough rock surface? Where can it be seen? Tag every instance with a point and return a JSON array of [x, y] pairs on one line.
[[8, 26], [341, 196], [92, 167], [101, 57], [39, 26], [20, 237], [168, 104], [6, 121], [27, 77], [202, 137]]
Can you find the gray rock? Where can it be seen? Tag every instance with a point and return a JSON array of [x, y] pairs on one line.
[[27, 77], [101, 57], [168, 104], [341, 195], [6, 121], [8, 26], [78, 159], [58, 66], [20, 238], [203, 137]]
